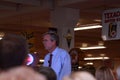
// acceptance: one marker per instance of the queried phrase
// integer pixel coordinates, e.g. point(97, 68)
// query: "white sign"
point(111, 24)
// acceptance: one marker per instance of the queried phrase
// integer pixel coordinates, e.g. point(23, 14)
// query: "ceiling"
point(35, 14)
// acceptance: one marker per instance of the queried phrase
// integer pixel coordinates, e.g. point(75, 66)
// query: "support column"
point(65, 19)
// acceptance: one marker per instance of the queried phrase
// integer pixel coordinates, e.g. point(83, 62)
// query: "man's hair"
point(48, 73)
point(13, 50)
point(104, 73)
point(54, 37)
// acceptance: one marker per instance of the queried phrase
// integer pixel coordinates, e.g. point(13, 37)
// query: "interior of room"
point(28, 17)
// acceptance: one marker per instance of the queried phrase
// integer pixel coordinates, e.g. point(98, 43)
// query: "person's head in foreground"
point(82, 75)
point(13, 51)
point(47, 73)
point(104, 73)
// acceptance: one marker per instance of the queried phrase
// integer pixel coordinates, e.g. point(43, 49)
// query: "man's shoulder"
point(63, 52)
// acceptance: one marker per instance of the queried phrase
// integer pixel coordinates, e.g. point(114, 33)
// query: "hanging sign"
point(111, 24)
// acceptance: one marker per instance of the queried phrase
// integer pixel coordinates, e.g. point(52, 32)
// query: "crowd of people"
point(14, 50)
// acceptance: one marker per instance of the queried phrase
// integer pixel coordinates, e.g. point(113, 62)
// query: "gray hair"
point(54, 37)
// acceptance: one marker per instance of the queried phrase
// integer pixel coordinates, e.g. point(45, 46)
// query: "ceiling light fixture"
point(79, 67)
point(89, 63)
point(100, 43)
point(97, 20)
point(1, 35)
point(41, 60)
point(87, 27)
point(94, 47)
point(96, 58)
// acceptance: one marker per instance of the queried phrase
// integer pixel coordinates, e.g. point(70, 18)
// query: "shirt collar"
point(55, 51)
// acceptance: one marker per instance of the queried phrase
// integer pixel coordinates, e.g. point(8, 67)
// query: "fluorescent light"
point(0, 38)
point(89, 27)
point(79, 67)
point(97, 20)
point(89, 63)
point(41, 60)
point(96, 58)
point(94, 47)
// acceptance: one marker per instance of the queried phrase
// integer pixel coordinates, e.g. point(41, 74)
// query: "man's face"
point(47, 42)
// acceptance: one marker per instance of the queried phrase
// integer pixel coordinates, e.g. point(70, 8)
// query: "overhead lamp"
point(96, 58)
point(87, 27)
point(93, 47)
point(97, 20)
point(100, 43)
point(79, 67)
point(84, 44)
point(41, 60)
point(89, 63)
point(89, 55)
point(102, 54)
point(1, 35)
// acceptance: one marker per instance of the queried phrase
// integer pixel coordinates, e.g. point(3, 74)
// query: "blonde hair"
point(82, 75)
point(104, 73)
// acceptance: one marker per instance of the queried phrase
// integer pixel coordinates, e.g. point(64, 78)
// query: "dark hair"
point(77, 52)
point(54, 36)
point(48, 73)
point(104, 73)
point(13, 50)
